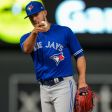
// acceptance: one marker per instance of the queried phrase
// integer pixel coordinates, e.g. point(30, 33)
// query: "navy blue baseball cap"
point(33, 7)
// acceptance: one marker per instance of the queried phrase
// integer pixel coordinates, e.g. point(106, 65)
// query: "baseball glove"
point(84, 100)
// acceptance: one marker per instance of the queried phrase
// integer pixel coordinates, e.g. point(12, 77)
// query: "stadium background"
point(17, 79)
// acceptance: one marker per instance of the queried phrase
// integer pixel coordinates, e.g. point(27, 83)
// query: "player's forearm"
point(81, 68)
point(29, 43)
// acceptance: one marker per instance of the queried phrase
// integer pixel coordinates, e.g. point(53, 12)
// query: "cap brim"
point(32, 14)
point(26, 17)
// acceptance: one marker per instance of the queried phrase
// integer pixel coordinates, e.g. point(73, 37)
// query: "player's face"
point(38, 17)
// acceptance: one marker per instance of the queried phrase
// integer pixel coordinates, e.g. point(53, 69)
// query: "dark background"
point(97, 48)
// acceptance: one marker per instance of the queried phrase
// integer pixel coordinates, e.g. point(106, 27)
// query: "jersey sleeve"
point(74, 44)
point(23, 38)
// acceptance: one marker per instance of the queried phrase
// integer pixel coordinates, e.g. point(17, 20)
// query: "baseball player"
point(51, 47)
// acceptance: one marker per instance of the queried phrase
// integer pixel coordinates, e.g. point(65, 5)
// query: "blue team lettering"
point(54, 45)
point(49, 44)
point(38, 45)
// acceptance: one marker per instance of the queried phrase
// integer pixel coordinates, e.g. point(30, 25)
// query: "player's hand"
point(41, 27)
point(82, 84)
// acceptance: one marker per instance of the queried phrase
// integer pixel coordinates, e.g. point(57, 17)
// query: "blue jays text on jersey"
point(54, 45)
point(52, 52)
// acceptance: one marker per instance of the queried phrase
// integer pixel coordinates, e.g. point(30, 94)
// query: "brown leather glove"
point(84, 100)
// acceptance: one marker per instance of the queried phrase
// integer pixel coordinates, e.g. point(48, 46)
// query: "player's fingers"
point(36, 30)
point(83, 93)
point(39, 25)
point(40, 29)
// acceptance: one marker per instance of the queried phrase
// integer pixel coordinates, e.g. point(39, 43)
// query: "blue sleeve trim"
point(78, 54)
